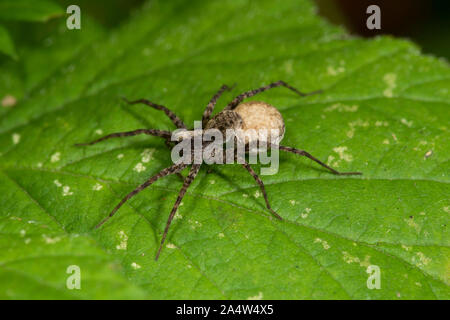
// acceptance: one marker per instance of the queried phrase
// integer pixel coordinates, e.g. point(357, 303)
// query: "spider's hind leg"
point(308, 155)
point(165, 172)
point(187, 182)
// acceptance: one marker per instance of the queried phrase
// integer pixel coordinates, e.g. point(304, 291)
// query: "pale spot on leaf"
point(407, 248)
point(177, 216)
point(341, 108)
point(50, 240)
point(343, 155)
point(15, 138)
point(9, 101)
point(55, 157)
point(391, 80)
point(324, 243)
point(394, 137)
point(406, 122)
point(97, 187)
point(305, 213)
point(380, 123)
point(288, 66)
point(348, 258)
point(66, 191)
point(423, 260)
point(354, 124)
point(139, 167)
point(334, 71)
point(410, 222)
point(195, 224)
point(259, 296)
point(123, 241)
point(171, 246)
point(147, 155)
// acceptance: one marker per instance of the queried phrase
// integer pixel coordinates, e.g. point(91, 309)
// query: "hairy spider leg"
point(165, 172)
point(236, 101)
point(152, 132)
point(169, 145)
point(212, 103)
point(261, 185)
point(306, 154)
point(187, 182)
point(175, 119)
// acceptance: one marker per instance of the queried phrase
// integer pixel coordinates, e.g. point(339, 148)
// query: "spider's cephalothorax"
point(227, 119)
point(253, 116)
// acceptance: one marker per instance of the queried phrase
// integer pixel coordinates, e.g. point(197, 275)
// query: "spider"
point(257, 115)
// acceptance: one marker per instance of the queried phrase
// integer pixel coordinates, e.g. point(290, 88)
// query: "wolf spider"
point(230, 117)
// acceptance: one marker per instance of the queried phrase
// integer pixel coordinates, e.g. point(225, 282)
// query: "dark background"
point(426, 22)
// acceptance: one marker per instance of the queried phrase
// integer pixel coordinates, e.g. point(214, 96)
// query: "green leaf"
point(50, 53)
point(384, 111)
point(29, 10)
point(6, 44)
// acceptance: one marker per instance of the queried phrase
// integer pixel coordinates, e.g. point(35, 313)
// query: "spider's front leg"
point(236, 101)
point(212, 103)
point(258, 180)
point(153, 132)
point(169, 145)
point(172, 116)
point(308, 155)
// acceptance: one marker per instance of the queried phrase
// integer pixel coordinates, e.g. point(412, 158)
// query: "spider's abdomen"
point(258, 115)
